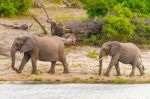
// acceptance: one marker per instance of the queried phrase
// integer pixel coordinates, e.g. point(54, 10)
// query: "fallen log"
point(18, 26)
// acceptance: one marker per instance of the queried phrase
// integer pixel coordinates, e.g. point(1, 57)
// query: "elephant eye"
point(18, 44)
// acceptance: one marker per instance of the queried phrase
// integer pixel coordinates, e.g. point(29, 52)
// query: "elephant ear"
point(29, 44)
point(115, 47)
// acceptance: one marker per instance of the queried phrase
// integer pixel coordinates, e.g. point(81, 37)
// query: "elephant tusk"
point(102, 58)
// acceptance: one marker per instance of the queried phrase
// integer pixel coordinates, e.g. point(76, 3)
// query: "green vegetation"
point(124, 20)
point(14, 7)
point(102, 7)
point(37, 78)
point(118, 28)
point(121, 81)
point(92, 54)
point(76, 79)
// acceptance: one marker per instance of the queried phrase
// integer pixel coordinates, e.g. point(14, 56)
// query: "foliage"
point(118, 16)
point(14, 7)
point(102, 7)
point(97, 7)
point(142, 35)
point(117, 28)
point(139, 6)
point(92, 54)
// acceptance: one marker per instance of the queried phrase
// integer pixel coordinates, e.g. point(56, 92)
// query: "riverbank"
point(82, 60)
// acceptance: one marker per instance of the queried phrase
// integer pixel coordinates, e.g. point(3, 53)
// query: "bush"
point(142, 33)
point(120, 20)
point(122, 11)
point(14, 7)
point(97, 7)
point(139, 6)
point(117, 28)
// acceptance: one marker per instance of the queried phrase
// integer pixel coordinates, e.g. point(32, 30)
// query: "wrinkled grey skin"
point(127, 53)
point(48, 49)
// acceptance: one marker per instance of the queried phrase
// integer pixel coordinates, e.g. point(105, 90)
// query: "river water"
point(74, 91)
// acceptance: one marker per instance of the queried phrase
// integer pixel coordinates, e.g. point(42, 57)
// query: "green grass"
point(37, 78)
point(1, 79)
point(92, 54)
point(68, 49)
point(119, 80)
point(76, 79)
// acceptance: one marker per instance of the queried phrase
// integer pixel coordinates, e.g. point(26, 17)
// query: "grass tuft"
point(37, 78)
point(92, 54)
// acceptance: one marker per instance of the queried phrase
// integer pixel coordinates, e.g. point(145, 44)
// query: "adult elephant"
point(49, 49)
point(127, 53)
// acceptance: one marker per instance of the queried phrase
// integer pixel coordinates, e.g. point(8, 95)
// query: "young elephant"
point(127, 53)
point(49, 49)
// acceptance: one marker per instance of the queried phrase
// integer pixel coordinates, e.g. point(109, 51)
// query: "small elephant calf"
point(49, 49)
point(127, 53)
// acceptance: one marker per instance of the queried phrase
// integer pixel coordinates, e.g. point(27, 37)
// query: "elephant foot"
point(34, 72)
point(141, 74)
point(118, 75)
point(131, 75)
point(106, 74)
point(18, 71)
point(66, 72)
point(51, 72)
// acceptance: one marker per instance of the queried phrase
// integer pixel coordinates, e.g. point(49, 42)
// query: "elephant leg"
point(134, 65)
point(34, 63)
point(133, 71)
point(118, 69)
point(140, 69)
point(65, 64)
point(113, 62)
point(52, 69)
point(24, 61)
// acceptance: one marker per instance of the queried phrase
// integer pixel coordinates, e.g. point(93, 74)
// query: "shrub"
point(117, 28)
point(122, 11)
point(142, 33)
point(97, 7)
point(7, 8)
point(14, 7)
point(139, 6)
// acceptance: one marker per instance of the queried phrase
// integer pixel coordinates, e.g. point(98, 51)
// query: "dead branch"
point(46, 12)
point(71, 5)
point(42, 26)
point(37, 4)
point(66, 3)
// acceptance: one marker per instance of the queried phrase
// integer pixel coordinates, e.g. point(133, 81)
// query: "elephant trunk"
point(100, 66)
point(13, 52)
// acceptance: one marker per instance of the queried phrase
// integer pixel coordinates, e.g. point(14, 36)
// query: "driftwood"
point(71, 5)
point(37, 4)
point(46, 12)
point(57, 29)
point(18, 26)
point(42, 26)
